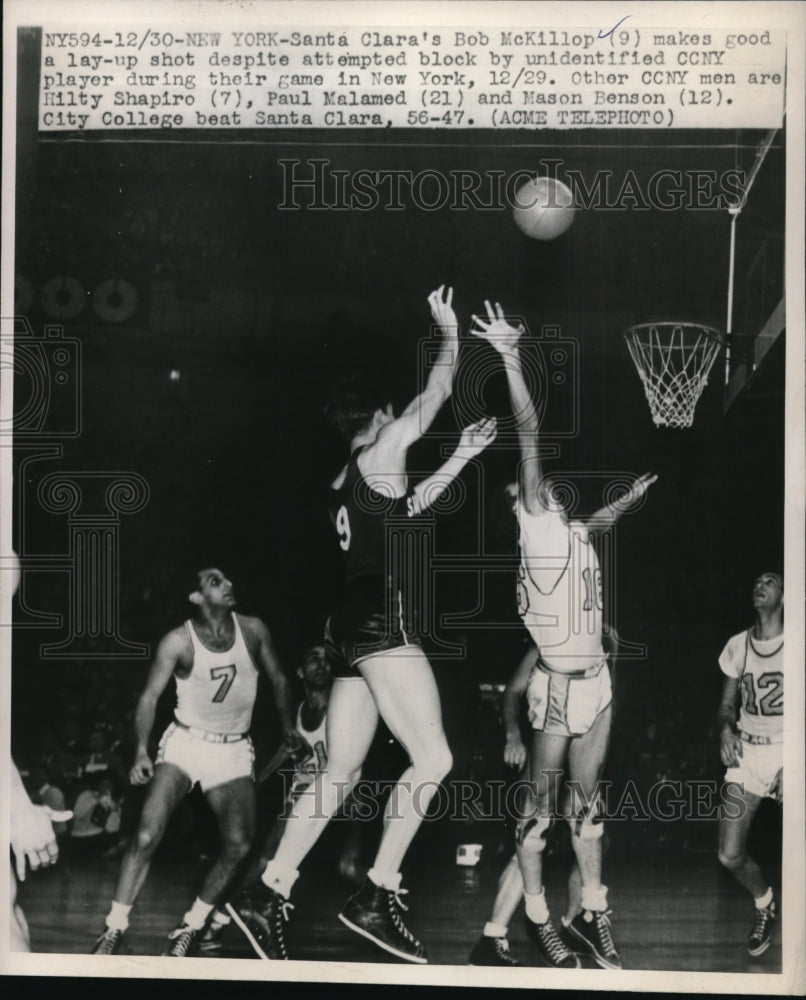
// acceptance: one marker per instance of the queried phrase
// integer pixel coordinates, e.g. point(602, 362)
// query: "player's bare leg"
point(403, 686)
point(233, 805)
point(546, 765)
point(492, 948)
point(510, 894)
point(351, 723)
point(733, 855)
point(166, 790)
point(590, 926)
point(408, 701)
point(574, 904)
point(260, 911)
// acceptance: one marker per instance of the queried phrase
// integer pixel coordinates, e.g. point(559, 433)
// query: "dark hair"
point(191, 582)
point(352, 404)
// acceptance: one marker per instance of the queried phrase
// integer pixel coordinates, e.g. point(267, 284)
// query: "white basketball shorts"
point(567, 705)
point(758, 766)
point(209, 764)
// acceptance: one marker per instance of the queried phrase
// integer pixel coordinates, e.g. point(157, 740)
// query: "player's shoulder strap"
point(744, 658)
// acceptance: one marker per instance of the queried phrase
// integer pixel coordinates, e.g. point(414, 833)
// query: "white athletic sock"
point(764, 901)
point(197, 915)
point(594, 897)
point(280, 880)
point(494, 930)
point(118, 917)
point(536, 909)
point(386, 880)
point(220, 918)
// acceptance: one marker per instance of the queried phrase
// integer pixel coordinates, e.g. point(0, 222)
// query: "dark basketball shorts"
point(371, 618)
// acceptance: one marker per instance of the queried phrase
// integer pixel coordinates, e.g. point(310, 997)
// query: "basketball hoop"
point(673, 361)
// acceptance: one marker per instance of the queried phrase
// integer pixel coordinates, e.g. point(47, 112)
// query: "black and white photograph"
point(401, 491)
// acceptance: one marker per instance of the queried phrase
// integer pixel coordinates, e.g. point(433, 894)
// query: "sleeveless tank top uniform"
point(315, 760)
point(377, 610)
point(219, 693)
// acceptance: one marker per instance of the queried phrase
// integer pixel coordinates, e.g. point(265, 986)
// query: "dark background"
point(259, 309)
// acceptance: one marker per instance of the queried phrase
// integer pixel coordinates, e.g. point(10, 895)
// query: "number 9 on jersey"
point(343, 528)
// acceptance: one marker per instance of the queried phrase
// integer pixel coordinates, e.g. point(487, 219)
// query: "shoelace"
point(603, 926)
point(502, 950)
point(760, 923)
point(184, 938)
point(552, 943)
point(281, 916)
point(107, 942)
point(395, 905)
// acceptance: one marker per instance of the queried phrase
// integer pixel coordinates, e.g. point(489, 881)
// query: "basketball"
point(544, 208)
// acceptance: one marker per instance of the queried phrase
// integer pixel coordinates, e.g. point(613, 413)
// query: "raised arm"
point(167, 657)
point(474, 439)
point(421, 411)
point(607, 516)
point(505, 339)
point(514, 747)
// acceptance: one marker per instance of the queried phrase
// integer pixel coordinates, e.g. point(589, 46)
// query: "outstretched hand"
point(475, 437)
point(730, 749)
point(495, 329)
point(142, 771)
point(636, 491)
point(442, 309)
point(515, 752)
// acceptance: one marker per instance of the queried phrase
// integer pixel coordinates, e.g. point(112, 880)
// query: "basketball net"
point(673, 361)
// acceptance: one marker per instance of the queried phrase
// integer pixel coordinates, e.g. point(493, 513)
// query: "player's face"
point(315, 669)
point(768, 591)
point(511, 493)
point(216, 590)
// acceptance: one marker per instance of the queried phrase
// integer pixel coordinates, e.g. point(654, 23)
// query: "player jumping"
point(379, 667)
point(569, 691)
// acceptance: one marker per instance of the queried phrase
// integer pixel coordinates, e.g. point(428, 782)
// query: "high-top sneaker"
point(182, 941)
point(108, 943)
point(374, 913)
point(492, 951)
point(261, 913)
point(759, 940)
point(591, 930)
point(550, 948)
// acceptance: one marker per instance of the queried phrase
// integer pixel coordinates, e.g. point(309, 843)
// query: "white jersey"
point(219, 693)
point(560, 590)
point(758, 664)
point(316, 759)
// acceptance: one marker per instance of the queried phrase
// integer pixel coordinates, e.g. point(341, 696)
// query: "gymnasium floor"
point(677, 914)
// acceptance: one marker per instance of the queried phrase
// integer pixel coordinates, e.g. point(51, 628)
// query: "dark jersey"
point(365, 523)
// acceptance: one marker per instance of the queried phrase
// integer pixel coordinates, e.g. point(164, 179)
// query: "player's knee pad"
point(585, 824)
point(531, 831)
